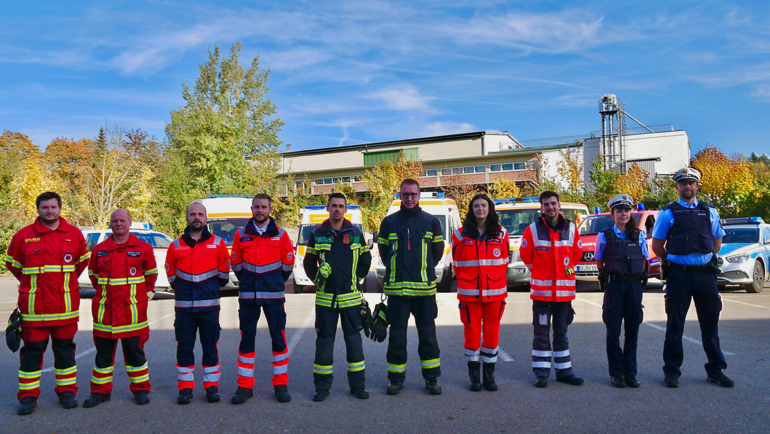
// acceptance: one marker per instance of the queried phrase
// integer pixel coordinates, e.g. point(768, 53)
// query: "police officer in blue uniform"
point(687, 237)
point(621, 255)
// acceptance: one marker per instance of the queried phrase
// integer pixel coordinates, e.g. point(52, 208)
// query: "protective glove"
point(569, 271)
point(366, 317)
point(379, 323)
point(602, 280)
point(325, 270)
point(13, 332)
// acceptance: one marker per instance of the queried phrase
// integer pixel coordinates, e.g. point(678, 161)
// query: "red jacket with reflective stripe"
point(262, 263)
point(481, 266)
point(547, 253)
point(197, 273)
point(47, 263)
point(122, 275)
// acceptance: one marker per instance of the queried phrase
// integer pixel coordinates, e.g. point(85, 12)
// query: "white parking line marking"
point(742, 302)
point(503, 355)
point(663, 329)
point(301, 330)
point(93, 349)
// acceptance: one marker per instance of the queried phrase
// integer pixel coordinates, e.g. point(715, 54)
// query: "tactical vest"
point(623, 256)
point(691, 232)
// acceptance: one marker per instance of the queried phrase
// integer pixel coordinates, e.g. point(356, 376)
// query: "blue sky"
point(349, 72)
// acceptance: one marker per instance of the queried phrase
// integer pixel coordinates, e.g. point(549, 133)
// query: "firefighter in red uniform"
point(551, 248)
point(197, 265)
point(480, 253)
point(47, 257)
point(123, 272)
point(263, 259)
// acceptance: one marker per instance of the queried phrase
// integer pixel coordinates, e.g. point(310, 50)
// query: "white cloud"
point(403, 97)
point(762, 93)
point(439, 128)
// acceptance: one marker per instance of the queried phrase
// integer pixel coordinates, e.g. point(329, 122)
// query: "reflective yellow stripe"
point(124, 281)
point(28, 386)
point(103, 380)
point(145, 377)
point(149, 272)
point(323, 369)
point(67, 296)
point(134, 310)
point(106, 370)
point(397, 368)
point(85, 257)
point(423, 266)
point(32, 289)
point(356, 366)
point(137, 368)
point(65, 371)
point(33, 374)
point(432, 363)
point(49, 317)
point(120, 329)
point(65, 381)
point(100, 314)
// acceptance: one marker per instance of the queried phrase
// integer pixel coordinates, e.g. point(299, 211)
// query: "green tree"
point(226, 134)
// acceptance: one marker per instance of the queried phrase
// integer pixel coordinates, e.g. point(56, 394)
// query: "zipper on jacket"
point(408, 240)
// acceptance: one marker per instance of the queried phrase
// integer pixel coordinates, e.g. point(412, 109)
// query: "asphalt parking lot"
point(696, 406)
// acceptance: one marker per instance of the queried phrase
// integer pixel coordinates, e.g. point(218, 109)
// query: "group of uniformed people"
point(48, 255)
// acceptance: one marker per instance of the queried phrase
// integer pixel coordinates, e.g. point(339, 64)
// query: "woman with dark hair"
point(621, 256)
point(480, 252)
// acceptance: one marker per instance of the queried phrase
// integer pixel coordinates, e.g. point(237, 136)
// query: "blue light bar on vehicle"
point(230, 195)
point(742, 221)
point(597, 210)
point(640, 206)
point(517, 199)
point(315, 207)
point(354, 207)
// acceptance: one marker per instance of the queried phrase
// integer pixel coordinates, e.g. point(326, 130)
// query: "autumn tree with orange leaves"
point(727, 183)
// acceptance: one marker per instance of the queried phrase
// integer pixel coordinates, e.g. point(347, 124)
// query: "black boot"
point(241, 395)
point(212, 394)
point(474, 371)
point(27, 405)
point(489, 377)
point(185, 396)
point(67, 400)
point(282, 393)
point(96, 399)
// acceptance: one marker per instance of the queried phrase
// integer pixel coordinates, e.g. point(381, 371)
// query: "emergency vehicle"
point(586, 269)
point(226, 214)
point(144, 232)
point(516, 214)
point(311, 219)
point(446, 211)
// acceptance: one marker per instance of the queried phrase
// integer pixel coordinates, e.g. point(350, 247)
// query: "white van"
point(226, 214)
point(312, 217)
point(515, 215)
point(446, 211)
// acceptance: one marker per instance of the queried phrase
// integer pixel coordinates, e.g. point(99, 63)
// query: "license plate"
point(591, 267)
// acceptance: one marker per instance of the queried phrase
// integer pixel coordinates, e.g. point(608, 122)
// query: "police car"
point(745, 254)
point(144, 232)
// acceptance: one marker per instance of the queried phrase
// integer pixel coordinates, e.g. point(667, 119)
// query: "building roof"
point(415, 141)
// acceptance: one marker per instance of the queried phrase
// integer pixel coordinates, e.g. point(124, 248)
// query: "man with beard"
point(47, 257)
point(550, 248)
point(263, 259)
point(123, 272)
point(197, 265)
point(687, 237)
point(411, 244)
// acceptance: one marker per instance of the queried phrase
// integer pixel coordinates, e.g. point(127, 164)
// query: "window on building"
point(508, 166)
point(519, 166)
point(328, 181)
point(319, 181)
point(345, 179)
point(357, 178)
point(481, 169)
point(457, 170)
point(432, 172)
point(495, 167)
point(446, 171)
point(469, 169)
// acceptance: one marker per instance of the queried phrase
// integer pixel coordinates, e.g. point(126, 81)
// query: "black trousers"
point(560, 314)
point(622, 303)
point(681, 288)
point(425, 311)
point(326, 330)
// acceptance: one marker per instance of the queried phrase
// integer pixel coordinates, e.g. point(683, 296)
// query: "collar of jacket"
point(271, 231)
point(326, 226)
point(559, 225)
point(133, 241)
point(465, 232)
point(63, 226)
point(190, 241)
point(411, 212)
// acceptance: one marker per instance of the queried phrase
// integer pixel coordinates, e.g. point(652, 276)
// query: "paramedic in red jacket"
point(480, 253)
point(551, 248)
point(123, 272)
point(47, 257)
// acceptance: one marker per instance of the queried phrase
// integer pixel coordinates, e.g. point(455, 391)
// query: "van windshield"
point(306, 230)
point(594, 224)
point(226, 227)
point(515, 221)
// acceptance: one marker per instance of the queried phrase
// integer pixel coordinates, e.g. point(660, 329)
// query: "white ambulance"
point(446, 211)
point(226, 214)
point(312, 217)
point(516, 214)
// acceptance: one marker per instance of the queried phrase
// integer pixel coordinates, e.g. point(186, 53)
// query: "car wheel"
point(298, 289)
point(755, 287)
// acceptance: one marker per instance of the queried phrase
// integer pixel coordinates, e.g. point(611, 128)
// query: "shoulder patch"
point(103, 253)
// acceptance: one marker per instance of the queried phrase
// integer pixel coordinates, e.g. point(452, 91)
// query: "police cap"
point(621, 201)
point(687, 174)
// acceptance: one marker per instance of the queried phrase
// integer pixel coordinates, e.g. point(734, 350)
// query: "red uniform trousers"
point(133, 356)
point(473, 314)
point(31, 358)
